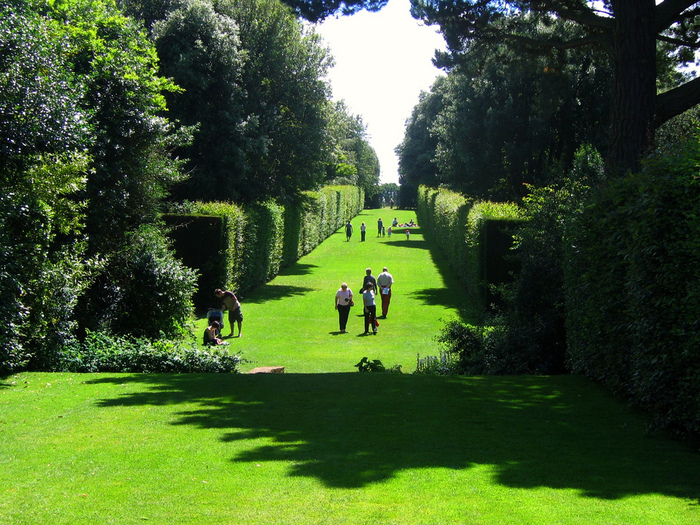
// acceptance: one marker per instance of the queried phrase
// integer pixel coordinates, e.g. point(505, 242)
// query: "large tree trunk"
point(634, 90)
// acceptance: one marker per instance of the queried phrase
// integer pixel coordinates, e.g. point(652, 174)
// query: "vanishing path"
point(291, 321)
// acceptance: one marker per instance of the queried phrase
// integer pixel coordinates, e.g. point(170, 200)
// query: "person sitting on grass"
point(210, 337)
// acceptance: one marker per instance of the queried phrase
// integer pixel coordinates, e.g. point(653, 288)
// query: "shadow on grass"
point(403, 243)
point(275, 292)
point(351, 430)
point(298, 269)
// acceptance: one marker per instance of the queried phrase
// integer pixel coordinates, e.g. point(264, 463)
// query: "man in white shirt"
point(384, 282)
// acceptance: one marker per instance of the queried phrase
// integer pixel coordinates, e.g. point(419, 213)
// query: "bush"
point(143, 291)
point(101, 352)
point(375, 365)
point(534, 304)
point(444, 364)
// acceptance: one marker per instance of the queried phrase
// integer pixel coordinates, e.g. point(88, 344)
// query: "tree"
point(353, 160)
point(254, 82)
point(416, 152)
point(287, 92)
point(628, 30)
point(200, 49)
point(43, 131)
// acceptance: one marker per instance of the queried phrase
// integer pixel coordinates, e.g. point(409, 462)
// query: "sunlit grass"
point(291, 321)
point(333, 448)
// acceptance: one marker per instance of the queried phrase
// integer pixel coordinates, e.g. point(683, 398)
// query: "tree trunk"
point(634, 90)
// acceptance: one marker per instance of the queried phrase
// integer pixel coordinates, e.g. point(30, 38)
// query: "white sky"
point(383, 61)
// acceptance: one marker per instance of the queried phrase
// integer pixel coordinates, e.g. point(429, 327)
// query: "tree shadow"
point(275, 292)
point(416, 243)
point(298, 269)
point(351, 430)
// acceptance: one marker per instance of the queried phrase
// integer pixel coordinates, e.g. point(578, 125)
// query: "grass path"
point(336, 448)
point(291, 321)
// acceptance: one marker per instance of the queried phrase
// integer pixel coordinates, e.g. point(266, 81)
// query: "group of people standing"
point(231, 304)
point(371, 286)
point(381, 229)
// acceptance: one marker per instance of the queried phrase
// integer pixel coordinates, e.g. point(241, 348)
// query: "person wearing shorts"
point(232, 305)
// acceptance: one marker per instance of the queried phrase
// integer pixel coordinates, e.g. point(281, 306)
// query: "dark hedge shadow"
point(298, 269)
point(350, 430)
point(274, 292)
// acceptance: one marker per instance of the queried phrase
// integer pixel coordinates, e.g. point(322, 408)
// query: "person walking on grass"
point(348, 231)
point(380, 226)
point(384, 282)
point(370, 309)
point(343, 303)
point(231, 304)
point(363, 232)
point(369, 278)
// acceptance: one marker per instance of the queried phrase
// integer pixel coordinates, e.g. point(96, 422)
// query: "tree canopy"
point(630, 31)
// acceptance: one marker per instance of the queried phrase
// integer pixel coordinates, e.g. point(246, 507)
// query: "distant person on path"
point(380, 226)
point(408, 235)
point(348, 230)
point(369, 279)
point(363, 231)
point(384, 282)
point(370, 309)
point(232, 305)
point(391, 203)
point(343, 303)
point(388, 231)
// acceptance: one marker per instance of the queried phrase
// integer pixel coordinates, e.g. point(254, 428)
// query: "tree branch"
point(583, 15)
point(676, 101)
point(678, 42)
point(667, 12)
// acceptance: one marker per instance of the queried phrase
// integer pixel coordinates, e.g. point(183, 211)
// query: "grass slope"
point(335, 448)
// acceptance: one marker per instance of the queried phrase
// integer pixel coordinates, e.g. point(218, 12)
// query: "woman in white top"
point(343, 302)
point(370, 309)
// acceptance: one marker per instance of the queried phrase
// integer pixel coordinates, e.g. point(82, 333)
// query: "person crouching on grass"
point(210, 337)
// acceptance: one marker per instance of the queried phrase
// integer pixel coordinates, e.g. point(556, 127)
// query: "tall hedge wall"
point(237, 247)
point(474, 236)
point(633, 290)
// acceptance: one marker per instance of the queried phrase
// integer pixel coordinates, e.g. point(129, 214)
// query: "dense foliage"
point(43, 164)
point(100, 352)
point(504, 118)
point(633, 288)
point(254, 89)
point(88, 155)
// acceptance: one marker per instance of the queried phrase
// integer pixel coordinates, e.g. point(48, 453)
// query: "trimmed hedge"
point(474, 236)
point(240, 248)
point(633, 290)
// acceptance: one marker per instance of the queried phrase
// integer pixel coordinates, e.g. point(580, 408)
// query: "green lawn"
point(340, 447)
point(291, 321)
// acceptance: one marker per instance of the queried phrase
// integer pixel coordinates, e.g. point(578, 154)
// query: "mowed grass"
point(292, 322)
point(337, 447)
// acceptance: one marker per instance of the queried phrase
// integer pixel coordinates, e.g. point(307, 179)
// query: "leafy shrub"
point(375, 365)
point(143, 291)
point(101, 352)
point(442, 365)
point(534, 304)
point(487, 349)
